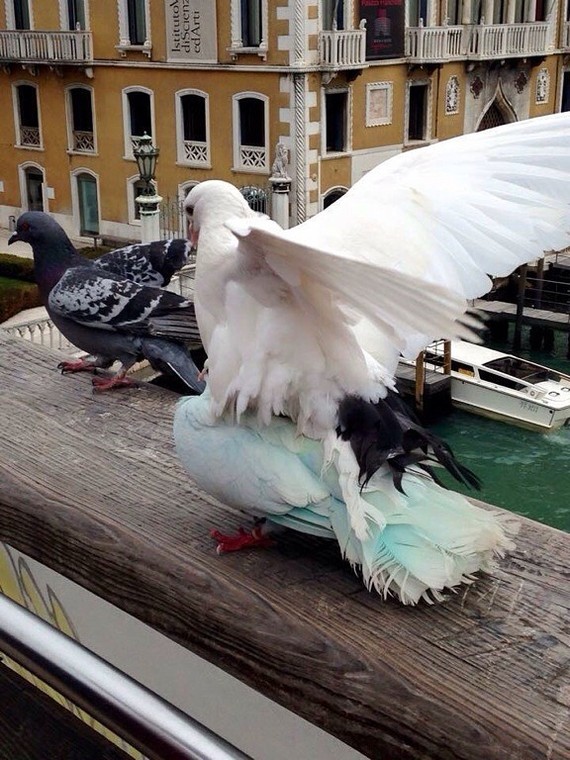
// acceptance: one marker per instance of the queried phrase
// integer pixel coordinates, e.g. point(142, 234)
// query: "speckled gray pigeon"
point(105, 314)
point(147, 263)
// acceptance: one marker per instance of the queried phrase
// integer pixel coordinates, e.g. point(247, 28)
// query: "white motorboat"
point(506, 387)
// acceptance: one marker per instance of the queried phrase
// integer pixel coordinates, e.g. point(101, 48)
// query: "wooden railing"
point(46, 47)
point(92, 490)
point(343, 48)
point(439, 43)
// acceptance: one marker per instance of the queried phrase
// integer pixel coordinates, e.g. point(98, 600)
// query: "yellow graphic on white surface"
point(18, 583)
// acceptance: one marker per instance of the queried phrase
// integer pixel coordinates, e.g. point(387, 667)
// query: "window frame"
point(181, 158)
point(426, 83)
point(125, 45)
point(325, 152)
point(11, 15)
point(70, 122)
point(238, 165)
point(65, 23)
point(17, 120)
point(127, 142)
point(236, 31)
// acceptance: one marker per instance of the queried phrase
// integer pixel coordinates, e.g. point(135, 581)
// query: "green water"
point(523, 471)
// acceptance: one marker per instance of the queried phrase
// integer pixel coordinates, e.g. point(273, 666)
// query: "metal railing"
point(46, 47)
point(136, 714)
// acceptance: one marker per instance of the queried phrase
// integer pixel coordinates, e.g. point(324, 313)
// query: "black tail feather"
point(386, 433)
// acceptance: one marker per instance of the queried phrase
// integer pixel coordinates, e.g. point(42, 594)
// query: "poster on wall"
point(384, 28)
point(190, 31)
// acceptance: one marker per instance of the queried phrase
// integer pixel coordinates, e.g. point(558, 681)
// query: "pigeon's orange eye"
point(25, 226)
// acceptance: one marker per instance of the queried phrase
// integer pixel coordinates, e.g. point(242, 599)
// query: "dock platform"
point(91, 488)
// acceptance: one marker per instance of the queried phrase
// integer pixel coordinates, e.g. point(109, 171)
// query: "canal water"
point(523, 471)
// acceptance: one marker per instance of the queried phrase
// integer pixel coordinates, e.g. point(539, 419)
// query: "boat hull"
point(499, 404)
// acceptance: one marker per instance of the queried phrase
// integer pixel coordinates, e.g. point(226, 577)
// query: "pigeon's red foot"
point(81, 365)
point(107, 383)
point(243, 539)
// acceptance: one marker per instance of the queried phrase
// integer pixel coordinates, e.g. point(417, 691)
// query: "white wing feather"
point(455, 212)
point(459, 210)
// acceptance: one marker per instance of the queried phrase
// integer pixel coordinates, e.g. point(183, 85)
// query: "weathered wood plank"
point(90, 486)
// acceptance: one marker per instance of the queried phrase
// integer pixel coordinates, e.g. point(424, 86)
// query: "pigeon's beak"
point(13, 238)
point(192, 235)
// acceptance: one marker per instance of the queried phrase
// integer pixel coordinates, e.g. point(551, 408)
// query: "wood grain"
point(90, 486)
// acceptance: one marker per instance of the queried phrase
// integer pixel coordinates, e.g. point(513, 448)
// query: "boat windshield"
point(523, 370)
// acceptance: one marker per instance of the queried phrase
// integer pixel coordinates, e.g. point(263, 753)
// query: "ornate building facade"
point(338, 85)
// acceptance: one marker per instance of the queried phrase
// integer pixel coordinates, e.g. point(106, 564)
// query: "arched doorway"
point(88, 204)
point(493, 117)
point(498, 112)
point(34, 182)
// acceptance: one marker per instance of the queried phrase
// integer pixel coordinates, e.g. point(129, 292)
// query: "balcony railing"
point(482, 41)
point(83, 142)
point(343, 48)
point(196, 152)
point(45, 47)
point(30, 137)
point(253, 157)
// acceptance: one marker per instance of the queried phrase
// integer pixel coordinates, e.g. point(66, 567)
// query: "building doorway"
point(88, 204)
point(34, 182)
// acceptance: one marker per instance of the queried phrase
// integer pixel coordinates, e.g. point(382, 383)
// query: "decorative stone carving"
point(452, 96)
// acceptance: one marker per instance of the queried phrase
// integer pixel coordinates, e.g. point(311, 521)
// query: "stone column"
point(150, 217)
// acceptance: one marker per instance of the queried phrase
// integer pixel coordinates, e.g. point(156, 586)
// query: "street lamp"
point(146, 155)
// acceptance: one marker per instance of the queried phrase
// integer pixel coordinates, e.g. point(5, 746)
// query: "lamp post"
point(146, 155)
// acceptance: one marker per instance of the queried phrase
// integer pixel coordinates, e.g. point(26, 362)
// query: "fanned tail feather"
point(433, 540)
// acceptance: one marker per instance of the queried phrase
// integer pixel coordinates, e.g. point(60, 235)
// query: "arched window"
point(193, 128)
point(333, 195)
point(80, 119)
point(250, 132)
point(138, 116)
point(27, 114)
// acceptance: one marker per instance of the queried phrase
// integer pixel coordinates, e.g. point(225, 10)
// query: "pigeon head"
point(212, 203)
point(53, 250)
point(40, 231)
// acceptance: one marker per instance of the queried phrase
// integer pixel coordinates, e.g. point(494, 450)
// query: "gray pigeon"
point(105, 314)
point(147, 263)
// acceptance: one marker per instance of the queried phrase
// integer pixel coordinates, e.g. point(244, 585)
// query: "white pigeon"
point(299, 423)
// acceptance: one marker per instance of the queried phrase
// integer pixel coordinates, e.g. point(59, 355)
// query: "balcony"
point(343, 48)
point(73, 47)
point(477, 42)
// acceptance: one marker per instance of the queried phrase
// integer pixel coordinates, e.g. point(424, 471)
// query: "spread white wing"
point(456, 212)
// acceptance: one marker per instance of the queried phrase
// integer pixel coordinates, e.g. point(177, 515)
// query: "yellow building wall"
point(109, 164)
point(449, 125)
point(388, 134)
point(550, 106)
